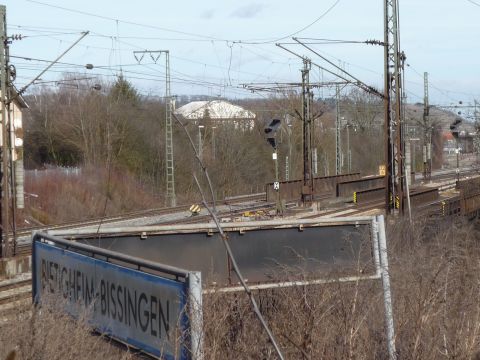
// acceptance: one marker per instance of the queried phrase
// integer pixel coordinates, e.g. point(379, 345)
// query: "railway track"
point(450, 174)
point(24, 249)
point(14, 292)
point(169, 210)
point(136, 214)
point(18, 291)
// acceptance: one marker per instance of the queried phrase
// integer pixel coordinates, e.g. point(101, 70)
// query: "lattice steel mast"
point(169, 163)
point(427, 135)
point(307, 191)
point(394, 146)
point(338, 137)
point(171, 198)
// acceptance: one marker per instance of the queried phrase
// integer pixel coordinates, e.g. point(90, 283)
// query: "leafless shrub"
point(436, 289)
point(434, 269)
point(61, 197)
point(46, 333)
point(311, 322)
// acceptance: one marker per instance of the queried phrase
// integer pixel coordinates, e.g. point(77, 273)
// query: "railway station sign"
point(270, 253)
point(139, 303)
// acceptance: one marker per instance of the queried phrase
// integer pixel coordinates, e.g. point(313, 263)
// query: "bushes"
point(58, 195)
point(437, 314)
point(46, 334)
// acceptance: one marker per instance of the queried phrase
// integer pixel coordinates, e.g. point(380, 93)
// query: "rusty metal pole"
point(338, 138)
point(389, 169)
point(307, 190)
point(426, 129)
point(393, 110)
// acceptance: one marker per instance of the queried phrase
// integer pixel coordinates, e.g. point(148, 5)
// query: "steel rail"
point(133, 214)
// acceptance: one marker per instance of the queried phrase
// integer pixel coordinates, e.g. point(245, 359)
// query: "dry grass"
point(327, 322)
point(436, 288)
point(435, 284)
point(90, 193)
point(47, 334)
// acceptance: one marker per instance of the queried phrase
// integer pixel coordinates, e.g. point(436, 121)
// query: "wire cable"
point(123, 21)
point(273, 40)
point(473, 2)
point(195, 35)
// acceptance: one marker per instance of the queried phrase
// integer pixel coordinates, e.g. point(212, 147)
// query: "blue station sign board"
point(142, 309)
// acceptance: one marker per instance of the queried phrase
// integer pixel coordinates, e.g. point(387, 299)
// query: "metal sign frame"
point(63, 268)
point(266, 251)
point(380, 259)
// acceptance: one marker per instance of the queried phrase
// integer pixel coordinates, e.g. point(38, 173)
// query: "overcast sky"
point(216, 46)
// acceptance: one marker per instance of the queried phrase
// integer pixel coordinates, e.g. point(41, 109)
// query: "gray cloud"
point(248, 11)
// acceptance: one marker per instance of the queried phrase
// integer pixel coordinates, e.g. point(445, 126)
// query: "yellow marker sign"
point(195, 209)
point(382, 170)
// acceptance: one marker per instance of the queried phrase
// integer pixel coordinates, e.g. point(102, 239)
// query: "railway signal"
point(276, 185)
point(271, 132)
point(456, 132)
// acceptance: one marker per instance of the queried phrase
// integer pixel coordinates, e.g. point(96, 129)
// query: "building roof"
point(215, 109)
point(19, 99)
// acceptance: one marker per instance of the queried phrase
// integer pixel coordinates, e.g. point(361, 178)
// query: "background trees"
point(118, 131)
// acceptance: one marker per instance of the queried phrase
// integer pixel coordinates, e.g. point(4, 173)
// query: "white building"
point(17, 106)
point(220, 112)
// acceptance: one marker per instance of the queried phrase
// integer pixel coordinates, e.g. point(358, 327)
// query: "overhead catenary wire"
point(360, 84)
point(325, 13)
point(232, 88)
point(219, 66)
point(274, 40)
point(49, 35)
point(262, 75)
point(155, 78)
point(123, 21)
point(473, 2)
point(230, 80)
point(445, 92)
point(194, 35)
point(183, 37)
point(136, 75)
point(38, 28)
point(333, 41)
point(22, 90)
point(367, 87)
